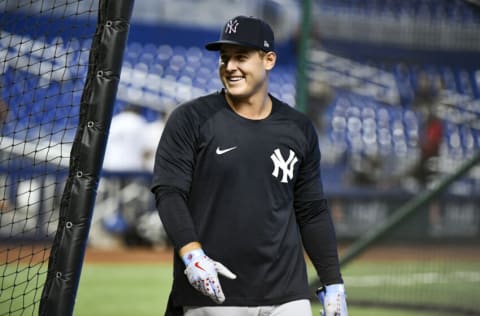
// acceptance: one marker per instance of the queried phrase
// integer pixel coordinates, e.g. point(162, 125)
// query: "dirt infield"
point(129, 255)
point(36, 253)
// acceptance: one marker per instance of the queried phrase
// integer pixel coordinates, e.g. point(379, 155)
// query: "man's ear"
point(269, 60)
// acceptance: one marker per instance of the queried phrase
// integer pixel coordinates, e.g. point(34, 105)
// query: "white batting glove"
point(333, 299)
point(202, 273)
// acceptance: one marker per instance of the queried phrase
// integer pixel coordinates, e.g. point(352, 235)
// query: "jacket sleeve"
point(175, 216)
point(172, 175)
point(319, 241)
point(313, 215)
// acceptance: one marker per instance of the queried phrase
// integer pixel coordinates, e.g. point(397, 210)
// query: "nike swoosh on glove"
point(202, 273)
point(333, 299)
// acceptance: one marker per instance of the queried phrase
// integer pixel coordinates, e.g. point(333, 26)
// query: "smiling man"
point(237, 184)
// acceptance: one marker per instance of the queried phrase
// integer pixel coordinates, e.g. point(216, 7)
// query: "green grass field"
point(125, 289)
point(122, 289)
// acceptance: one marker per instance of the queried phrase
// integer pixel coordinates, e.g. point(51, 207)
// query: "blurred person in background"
point(430, 129)
point(320, 96)
point(431, 135)
point(237, 184)
point(152, 134)
point(114, 223)
point(4, 203)
point(3, 113)
point(125, 147)
point(148, 227)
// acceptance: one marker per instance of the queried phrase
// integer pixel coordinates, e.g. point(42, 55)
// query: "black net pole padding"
point(88, 149)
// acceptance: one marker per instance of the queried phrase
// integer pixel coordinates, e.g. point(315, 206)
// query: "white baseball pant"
point(293, 308)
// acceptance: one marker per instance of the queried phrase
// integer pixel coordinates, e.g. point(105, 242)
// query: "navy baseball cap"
point(245, 31)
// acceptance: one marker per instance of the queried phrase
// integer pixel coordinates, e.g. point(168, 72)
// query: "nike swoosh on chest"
point(221, 151)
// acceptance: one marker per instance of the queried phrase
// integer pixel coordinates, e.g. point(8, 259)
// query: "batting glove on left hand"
point(202, 273)
point(333, 299)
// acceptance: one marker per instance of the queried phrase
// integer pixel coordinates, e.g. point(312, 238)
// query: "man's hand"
point(202, 273)
point(333, 300)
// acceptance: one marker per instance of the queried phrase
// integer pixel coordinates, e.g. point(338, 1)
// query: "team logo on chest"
point(285, 165)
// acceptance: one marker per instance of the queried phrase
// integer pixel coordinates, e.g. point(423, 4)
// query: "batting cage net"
point(51, 53)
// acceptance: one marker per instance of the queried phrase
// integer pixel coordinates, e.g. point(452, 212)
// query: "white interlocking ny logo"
point(231, 27)
point(286, 166)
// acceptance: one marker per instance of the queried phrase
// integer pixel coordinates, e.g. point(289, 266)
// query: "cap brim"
point(216, 45)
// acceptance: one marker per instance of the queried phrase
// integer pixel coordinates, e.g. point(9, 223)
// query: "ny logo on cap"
point(231, 27)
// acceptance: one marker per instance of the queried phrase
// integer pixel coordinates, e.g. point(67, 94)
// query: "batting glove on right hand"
point(333, 299)
point(202, 273)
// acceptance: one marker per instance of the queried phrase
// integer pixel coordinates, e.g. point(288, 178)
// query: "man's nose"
point(230, 65)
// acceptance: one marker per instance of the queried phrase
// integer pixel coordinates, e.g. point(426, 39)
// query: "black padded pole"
point(86, 158)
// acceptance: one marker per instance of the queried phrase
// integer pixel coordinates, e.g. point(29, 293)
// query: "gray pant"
point(294, 308)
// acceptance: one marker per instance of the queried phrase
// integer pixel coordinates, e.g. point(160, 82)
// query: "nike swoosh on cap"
point(223, 151)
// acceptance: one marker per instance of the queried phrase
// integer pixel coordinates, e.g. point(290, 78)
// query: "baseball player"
point(238, 188)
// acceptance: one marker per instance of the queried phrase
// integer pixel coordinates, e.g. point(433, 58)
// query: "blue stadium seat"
point(164, 53)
